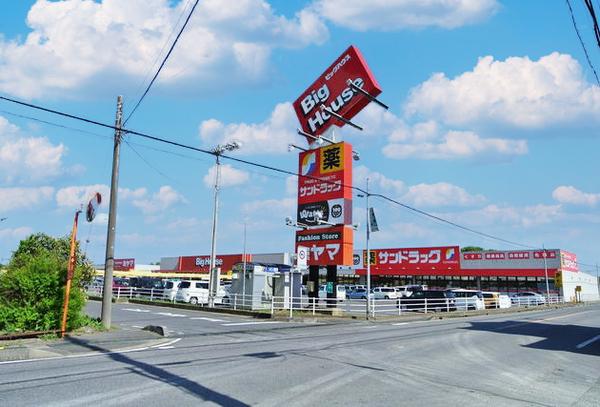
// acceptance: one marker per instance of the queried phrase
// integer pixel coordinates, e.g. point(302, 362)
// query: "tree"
point(32, 288)
point(471, 249)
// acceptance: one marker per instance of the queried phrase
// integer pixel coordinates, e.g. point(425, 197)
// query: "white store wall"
point(588, 283)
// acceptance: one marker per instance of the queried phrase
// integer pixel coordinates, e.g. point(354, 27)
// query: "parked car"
point(430, 300)
point(196, 292)
point(340, 293)
point(358, 294)
point(407, 290)
point(528, 298)
point(170, 290)
point(468, 299)
point(493, 299)
point(384, 293)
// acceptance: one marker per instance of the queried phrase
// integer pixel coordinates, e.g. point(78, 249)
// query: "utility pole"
point(213, 281)
point(368, 227)
point(597, 281)
point(244, 272)
point(546, 274)
point(112, 221)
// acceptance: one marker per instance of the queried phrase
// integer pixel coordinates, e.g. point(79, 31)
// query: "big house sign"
point(325, 173)
point(332, 90)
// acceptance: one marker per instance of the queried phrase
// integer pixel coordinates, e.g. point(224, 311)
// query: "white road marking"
point(400, 323)
point(369, 326)
point(168, 314)
point(173, 342)
point(589, 341)
point(210, 319)
point(251, 323)
point(136, 310)
point(137, 326)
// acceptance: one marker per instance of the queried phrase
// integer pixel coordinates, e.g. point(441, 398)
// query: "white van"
point(170, 290)
point(194, 292)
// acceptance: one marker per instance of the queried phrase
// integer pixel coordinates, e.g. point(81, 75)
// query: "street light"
point(213, 281)
point(368, 230)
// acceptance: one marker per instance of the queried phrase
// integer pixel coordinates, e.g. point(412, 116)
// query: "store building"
point(445, 266)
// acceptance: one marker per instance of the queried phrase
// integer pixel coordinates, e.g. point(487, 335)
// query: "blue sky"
point(492, 123)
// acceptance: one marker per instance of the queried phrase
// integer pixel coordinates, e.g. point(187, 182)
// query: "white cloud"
point(388, 15)
point(438, 194)
point(163, 199)
point(494, 215)
point(75, 45)
point(230, 177)
point(16, 233)
point(24, 158)
point(453, 145)
point(75, 196)
point(571, 195)
point(377, 181)
point(273, 207)
point(24, 198)
point(441, 194)
point(269, 137)
point(517, 91)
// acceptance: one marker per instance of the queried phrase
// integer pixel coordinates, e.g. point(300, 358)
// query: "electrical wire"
point(592, 12)
point(589, 61)
point(167, 41)
point(162, 63)
point(270, 168)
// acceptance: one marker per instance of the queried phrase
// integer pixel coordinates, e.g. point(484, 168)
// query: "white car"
point(468, 299)
point(384, 293)
point(196, 292)
point(170, 290)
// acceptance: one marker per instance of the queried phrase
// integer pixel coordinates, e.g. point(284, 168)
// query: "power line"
point(439, 219)
point(581, 41)
point(592, 12)
point(162, 63)
point(167, 40)
point(270, 168)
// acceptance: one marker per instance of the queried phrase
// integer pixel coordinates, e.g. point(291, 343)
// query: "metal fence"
point(331, 306)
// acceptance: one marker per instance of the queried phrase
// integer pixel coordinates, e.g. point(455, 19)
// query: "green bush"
point(32, 288)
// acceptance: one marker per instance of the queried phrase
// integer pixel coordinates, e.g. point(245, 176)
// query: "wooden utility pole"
point(70, 270)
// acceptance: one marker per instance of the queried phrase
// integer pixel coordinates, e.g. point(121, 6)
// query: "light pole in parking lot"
point(213, 281)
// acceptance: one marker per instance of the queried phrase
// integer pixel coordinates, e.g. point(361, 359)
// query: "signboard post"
point(325, 174)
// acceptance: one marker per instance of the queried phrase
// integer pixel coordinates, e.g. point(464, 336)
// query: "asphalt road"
point(547, 358)
point(182, 322)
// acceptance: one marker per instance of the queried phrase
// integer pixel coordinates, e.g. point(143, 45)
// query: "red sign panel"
point(328, 246)
point(332, 90)
point(201, 264)
point(124, 264)
point(414, 261)
point(568, 261)
point(325, 174)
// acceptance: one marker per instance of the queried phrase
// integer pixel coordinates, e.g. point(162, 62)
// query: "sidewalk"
point(78, 344)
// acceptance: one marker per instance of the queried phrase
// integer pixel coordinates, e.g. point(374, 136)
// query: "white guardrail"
point(377, 307)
